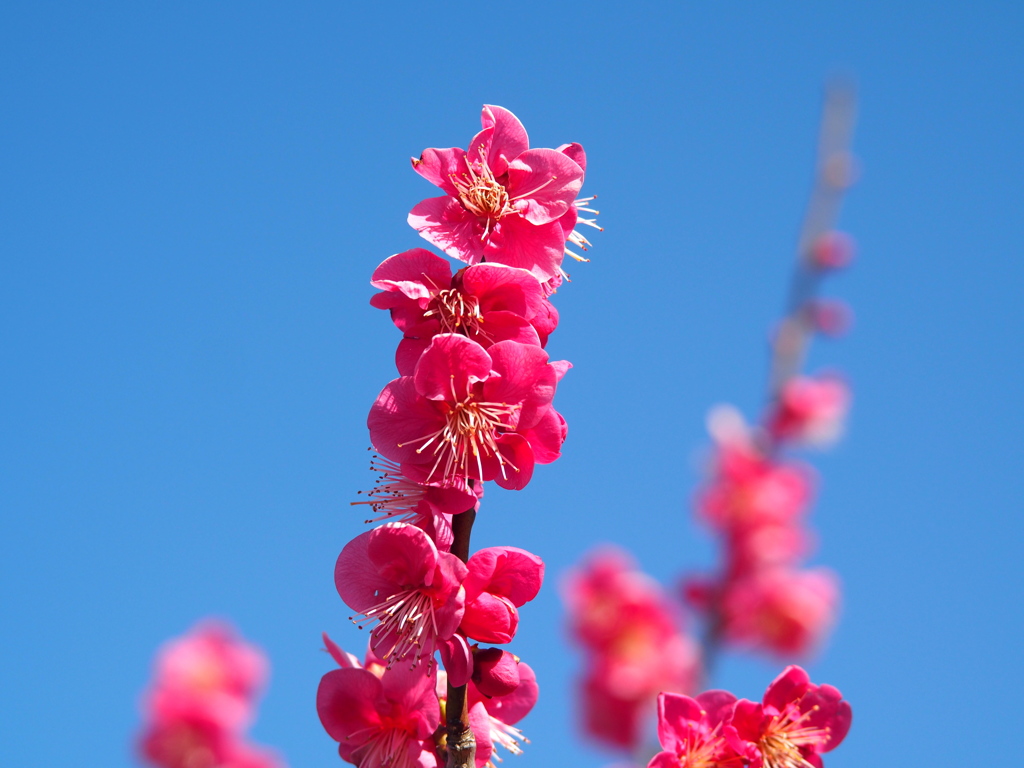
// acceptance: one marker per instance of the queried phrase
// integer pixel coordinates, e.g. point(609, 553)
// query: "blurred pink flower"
point(782, 610)
point(810, 410)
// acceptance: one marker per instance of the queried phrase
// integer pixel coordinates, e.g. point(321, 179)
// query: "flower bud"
point(495, 672)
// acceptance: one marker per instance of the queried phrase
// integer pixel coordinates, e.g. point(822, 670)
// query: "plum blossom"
point(500, 580)
point(782, 610)
point(386, 720)
point(200, 701)
point(635, 645)
point(690, 731)
point(395, 575)
point(793, 725)
point(467, 412)
point(503, 201)
point(487, 303)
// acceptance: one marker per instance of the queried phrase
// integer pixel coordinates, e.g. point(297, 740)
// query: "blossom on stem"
point(503, 202)
point(501, 713)
point(500, 580)
point(467, 412)
point(395, 575)
point(487, 302)
point(793, 725)
point(690, 731)
point(381, 721)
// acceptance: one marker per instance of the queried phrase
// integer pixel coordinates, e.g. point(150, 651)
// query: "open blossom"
point(487, 303)
point(795, 722)
point(783, 610)
point(396, 576)
point(503, 201)
point(381, 721)
point(467, 412)
point(690, 731)
point(500, 580)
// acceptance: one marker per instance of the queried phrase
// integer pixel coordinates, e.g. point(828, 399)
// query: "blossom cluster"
point(472, 403)
point(756, 499)
point(201, 700)
point(636, 646)
point(762, 596)
point(793, 724)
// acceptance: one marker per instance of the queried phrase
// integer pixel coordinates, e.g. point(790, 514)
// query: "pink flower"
point(503, 202)
point(396, 576)
point(810, 410)
point(500, 580)
point(381, 721)
point(467, 412)
point(796, 722)
point(690, 731)
point(201, 698)
point(747, 488)
point(209, 672)
point(487, 303)
point(636, 646)
point(781, 610)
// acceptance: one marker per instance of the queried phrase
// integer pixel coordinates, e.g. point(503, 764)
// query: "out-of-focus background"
point(194, 195)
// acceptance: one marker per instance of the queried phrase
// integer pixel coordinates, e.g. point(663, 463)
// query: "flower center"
point(785, 735)
point(481, 193)
point(389, 749)
point(406, 622)
point(456, 312)
point(470, 435)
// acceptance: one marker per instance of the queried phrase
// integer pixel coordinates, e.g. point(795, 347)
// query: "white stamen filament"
point(780, 746)
point(409, 616)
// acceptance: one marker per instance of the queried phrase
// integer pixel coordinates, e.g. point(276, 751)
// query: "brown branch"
point(460, 742)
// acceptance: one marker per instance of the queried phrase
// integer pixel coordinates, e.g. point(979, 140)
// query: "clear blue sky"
point(194, 196)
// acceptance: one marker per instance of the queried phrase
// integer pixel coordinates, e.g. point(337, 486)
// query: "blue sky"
point(195, 196)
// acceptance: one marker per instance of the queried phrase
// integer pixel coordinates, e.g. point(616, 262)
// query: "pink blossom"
point(691, 731)
point(832, 250)
point(381, 721)
point(467, 412)
point(503, 202)
point(202, 696)
point(501, 579)
point(487, 302)
point(637, 649)
point(748, 488)
point(795, 723)
point(210, 672)
point(782, 610)
point(396, 576)
point(810, 410)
